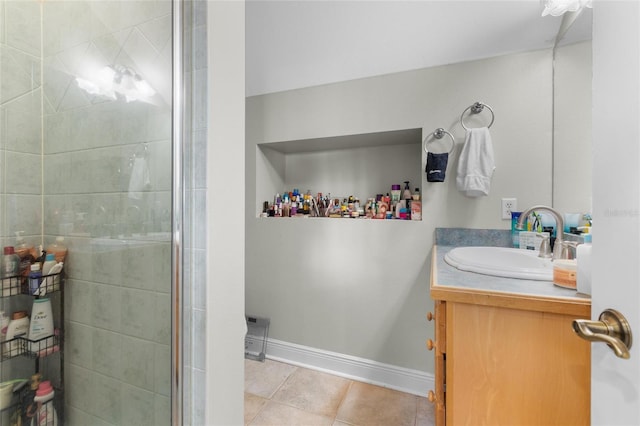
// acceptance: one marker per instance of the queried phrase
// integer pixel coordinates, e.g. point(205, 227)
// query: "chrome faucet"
point(558, 252)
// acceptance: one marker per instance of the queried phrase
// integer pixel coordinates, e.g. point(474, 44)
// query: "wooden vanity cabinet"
point(509, 359)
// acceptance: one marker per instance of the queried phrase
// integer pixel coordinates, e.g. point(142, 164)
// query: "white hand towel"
point(139, 180)
point(476, 164)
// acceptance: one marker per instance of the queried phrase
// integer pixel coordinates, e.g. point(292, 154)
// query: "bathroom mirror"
point(572, 75)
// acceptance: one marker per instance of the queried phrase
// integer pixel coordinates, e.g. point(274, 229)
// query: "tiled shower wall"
point(117, 224)
point(20, 144)
point(20, 121)
point(195, 224)
point(97, 171)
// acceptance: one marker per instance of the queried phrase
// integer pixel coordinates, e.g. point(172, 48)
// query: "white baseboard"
point(360, 369)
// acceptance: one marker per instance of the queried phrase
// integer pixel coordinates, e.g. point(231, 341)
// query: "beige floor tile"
point(276, 414)
point(313, 391)
point(370, 405)
point(339, 423)
point(264, 378)
point(426, 412)
point(252, 406)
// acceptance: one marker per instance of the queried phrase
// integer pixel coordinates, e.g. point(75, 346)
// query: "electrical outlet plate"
point(509, 205)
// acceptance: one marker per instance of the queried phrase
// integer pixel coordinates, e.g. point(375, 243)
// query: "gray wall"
point(572, 150)
point(361, 288)
point(225, 263)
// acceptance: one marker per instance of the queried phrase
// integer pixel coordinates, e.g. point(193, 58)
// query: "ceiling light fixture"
point(113, 80)
point(559, 7)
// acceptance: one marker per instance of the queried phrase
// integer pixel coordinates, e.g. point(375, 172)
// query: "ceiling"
point(292, 44)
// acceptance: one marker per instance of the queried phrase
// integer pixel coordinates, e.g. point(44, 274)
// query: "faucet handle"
point(568, 250)
point(545, 246)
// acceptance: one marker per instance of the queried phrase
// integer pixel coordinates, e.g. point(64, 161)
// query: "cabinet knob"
point(429, 316)
point(431, 396)
point(430, 344)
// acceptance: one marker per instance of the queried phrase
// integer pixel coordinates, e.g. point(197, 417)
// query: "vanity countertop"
point(451, 284)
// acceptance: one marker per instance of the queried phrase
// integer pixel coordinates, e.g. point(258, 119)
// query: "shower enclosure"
point(98, 130)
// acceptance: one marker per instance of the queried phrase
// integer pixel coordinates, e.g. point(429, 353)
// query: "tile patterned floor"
point(282, 394)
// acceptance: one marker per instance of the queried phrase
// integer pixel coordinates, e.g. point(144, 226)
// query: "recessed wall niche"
point(361, 165)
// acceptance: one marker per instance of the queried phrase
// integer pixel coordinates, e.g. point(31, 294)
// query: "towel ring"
point(477, 108)
point(439, 134)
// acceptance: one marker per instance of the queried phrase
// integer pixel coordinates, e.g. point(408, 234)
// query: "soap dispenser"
point(406, 193)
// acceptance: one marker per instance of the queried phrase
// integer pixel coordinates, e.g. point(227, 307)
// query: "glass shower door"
point(107, 78)
point(86, 154)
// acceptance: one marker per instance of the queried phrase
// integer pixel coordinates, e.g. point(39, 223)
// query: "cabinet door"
point(440, 361)
point(507, 367)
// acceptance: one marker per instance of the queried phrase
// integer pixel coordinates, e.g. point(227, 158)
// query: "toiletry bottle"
point(35, 278)
point(4, 324)
point(49, 262)
point(40, 259)
point(416, 206)
point(395, 195)
point(18, 326)
point(46, 414)
point(27, 254)
point(407, 197)
point(406, 193)
point(583, 257)
point(28, 407)
point(515, 232)
point(10, 263)
point(41, 326)
point(22, 248)
point(58, 249)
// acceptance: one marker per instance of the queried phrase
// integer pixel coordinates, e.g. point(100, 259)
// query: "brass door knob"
point(431, 396)
point(429, 316)
point(430, 344)
point(612, 329)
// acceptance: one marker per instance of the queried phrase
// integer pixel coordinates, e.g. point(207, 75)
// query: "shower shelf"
point(14, 411)
point(37, 351)
point(17, 285)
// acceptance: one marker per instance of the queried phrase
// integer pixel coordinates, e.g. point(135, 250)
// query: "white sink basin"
point(501, 262)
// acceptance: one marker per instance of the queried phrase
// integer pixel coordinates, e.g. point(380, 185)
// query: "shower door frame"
point(177, 258)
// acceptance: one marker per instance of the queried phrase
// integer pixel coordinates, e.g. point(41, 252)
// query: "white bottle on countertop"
point(583, 256)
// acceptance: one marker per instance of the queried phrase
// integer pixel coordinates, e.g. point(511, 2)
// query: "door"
point(615, 382)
